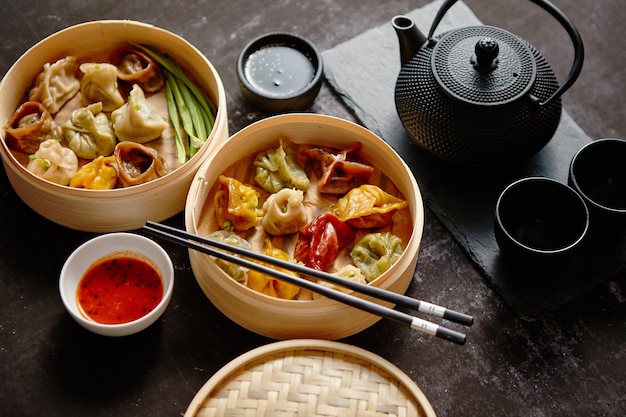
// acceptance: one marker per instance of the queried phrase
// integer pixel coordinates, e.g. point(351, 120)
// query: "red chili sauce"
point(119, 288)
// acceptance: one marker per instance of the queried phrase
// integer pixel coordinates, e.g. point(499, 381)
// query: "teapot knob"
point(486, 58)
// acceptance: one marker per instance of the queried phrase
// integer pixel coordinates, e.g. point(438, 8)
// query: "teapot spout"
point(410, 38)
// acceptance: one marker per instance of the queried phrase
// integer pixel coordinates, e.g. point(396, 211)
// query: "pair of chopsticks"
point(225, 251)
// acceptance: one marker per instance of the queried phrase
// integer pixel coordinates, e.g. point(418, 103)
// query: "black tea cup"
point(539, 219)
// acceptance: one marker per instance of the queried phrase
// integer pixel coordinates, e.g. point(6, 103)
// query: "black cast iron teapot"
point(479, 95)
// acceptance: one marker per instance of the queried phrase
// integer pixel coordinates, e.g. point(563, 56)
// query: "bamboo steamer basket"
point(123, 208)
point(286, 319)
point(310, 378)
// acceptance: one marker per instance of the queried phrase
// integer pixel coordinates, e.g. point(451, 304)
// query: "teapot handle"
point(579, 50)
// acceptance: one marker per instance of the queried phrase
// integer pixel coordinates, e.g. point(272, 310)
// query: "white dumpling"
point(56, 85)
point(138, 120)
point(284, 212)
point(99, 84)
point(54, 162)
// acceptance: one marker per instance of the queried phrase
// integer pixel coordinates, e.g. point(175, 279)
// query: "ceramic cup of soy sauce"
point(539, 219)
point(280, 72)
point(598, 173)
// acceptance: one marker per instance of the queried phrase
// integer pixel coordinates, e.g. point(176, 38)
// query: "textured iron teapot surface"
point(479, 95)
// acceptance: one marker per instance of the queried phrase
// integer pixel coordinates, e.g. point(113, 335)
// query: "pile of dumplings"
point(78, 129)
point(309, 205)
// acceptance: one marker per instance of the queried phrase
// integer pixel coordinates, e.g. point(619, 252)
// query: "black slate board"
point(363, 72)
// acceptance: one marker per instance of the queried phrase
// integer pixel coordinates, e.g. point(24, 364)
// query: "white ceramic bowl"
point(119, 209)
point(318, 318)
point(91, 251)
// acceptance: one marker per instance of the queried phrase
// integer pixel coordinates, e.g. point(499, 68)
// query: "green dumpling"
point(278, 168)
point(236, 272)
point(375, 253)
point(89, 133)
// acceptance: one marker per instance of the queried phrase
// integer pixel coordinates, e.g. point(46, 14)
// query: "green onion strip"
point(186, 105)
point(171, 108)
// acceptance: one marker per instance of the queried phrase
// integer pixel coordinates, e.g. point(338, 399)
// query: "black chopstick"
point(392, 297)
point(200, 243)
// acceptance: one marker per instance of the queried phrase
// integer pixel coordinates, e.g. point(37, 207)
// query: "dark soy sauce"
point(279, 70)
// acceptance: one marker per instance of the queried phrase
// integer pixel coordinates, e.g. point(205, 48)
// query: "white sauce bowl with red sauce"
point(110, 247)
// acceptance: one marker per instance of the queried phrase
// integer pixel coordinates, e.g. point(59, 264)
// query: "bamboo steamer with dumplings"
point(316, 317)
point(115, 209)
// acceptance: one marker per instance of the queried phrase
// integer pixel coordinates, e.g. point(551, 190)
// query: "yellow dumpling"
point(368, 206)
point(271, 286)
point(236, 205)
point(99, 174)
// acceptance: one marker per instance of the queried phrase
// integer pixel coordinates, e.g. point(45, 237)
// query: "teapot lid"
point(483, 65)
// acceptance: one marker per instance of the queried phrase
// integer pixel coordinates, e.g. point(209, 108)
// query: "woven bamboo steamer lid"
point(310, 378)
point(285, 319)
point(123, 208)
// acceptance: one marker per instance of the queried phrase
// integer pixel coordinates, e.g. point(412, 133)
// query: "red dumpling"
point(339, 172)
point(319, 242)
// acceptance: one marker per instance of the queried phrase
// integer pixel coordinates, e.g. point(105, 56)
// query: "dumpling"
point(348, 272)
point(53, 162)
point(319, 241)
point(99, 84)
point(268, 285)
point(375, 253)
point(89, 133)
point(56, 85)
point(237, 272)
point(368, 206)
point(138, 120)
point(339, 172)
point(136, 67)
point(236, 205)
point(278, 168)
point(30, 125)
point(137, 164)
point(284, 212)
point(99, 174)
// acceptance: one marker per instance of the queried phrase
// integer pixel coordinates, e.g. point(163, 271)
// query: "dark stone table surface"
point(571, 362)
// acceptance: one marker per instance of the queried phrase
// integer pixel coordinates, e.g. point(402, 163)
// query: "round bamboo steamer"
point(286, 319)
point(123, 208)
point(310, 378)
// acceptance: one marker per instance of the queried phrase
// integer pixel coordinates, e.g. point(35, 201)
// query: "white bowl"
point(91, 251)
point(120, 209)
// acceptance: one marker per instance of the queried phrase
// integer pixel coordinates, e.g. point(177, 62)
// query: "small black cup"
point(540, 219)
point(598, 173)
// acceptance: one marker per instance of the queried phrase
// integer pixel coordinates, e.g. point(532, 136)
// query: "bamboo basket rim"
point(300, 377)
